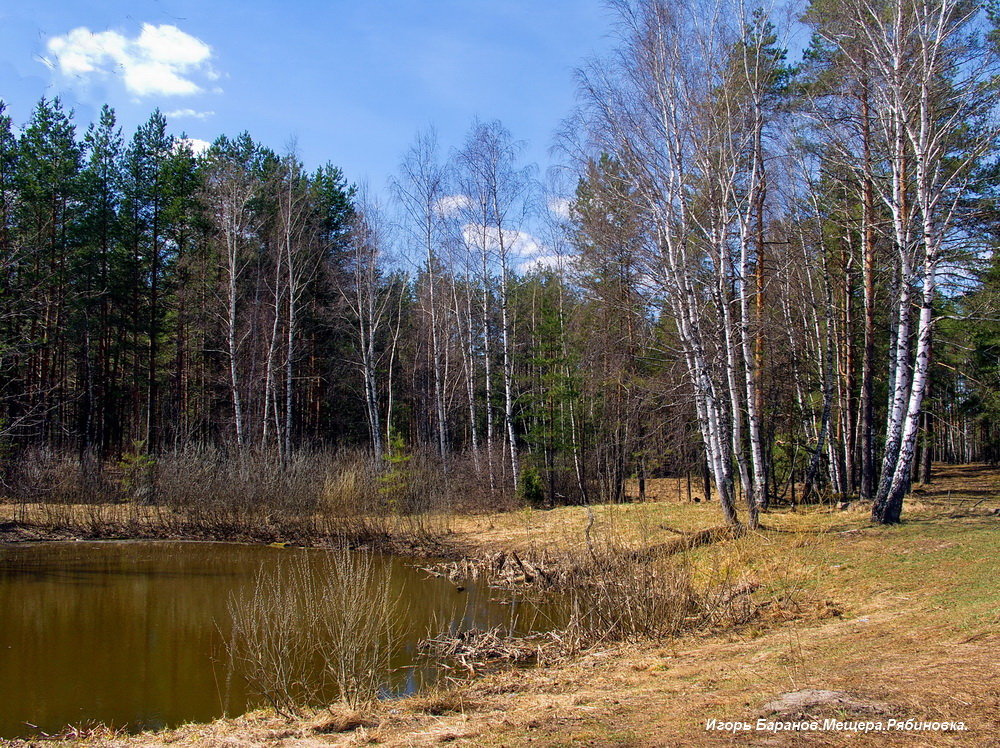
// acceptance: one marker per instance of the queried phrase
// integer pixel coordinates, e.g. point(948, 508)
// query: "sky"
point(346, 82)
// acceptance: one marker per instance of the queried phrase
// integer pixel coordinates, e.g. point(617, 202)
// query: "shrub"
point(324, 630)
point(138, 471)
point(531, 489)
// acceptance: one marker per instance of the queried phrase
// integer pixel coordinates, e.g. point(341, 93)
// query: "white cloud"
point(520, 244)
point(527, 245)
point(196, 145)
point(543, 262)
point(449, 205)
point(188, 114)
point(82, 51)
point(560, 207)
point(161, 60)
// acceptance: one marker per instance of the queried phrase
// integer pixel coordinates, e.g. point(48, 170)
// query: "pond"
point(132, 634)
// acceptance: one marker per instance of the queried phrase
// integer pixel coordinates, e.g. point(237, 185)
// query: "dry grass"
point(207, 494)
point(336, 720)
point(440, 701)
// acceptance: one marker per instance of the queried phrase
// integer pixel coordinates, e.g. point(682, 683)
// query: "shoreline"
point(15, 532)
point(831, 613)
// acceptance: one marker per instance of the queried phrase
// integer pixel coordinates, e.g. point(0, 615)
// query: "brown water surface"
point(131, 634)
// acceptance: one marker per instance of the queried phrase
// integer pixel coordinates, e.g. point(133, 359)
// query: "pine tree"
point(146, 197)
point(48, 183)
point(99, 271)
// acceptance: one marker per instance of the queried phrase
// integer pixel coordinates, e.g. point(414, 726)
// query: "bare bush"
point(608, 592)
point(322, 631)
point(204, 492)
point(620, 594)
point(612, 592)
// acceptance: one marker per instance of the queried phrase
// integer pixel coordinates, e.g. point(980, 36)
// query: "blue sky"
point(350, 82)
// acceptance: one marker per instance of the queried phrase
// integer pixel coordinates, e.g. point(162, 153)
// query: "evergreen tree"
point(48, 183)
point(100, 273)
point(146, 198)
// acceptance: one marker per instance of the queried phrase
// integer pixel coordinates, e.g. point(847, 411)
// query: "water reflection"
point(131, 633)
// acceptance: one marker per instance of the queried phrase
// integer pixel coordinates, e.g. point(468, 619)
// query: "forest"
point(769, 274)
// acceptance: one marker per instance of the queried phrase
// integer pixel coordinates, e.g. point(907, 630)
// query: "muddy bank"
point(401, 540)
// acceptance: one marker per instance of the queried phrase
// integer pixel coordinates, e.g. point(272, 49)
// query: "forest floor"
point(903, 622)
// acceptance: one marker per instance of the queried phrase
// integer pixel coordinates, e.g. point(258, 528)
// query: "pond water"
point(132, 634)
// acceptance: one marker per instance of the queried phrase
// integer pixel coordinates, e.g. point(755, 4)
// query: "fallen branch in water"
point(504, 569)
point(474, 649)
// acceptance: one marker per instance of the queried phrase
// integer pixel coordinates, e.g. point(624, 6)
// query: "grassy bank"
point(904, 620)
point(314, 498)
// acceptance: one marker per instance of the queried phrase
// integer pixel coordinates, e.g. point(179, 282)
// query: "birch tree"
point(933, 107)
point(497, 190)
point(420, 189)
point(300, 263)
point(683, 108)
point(369, 304)
point(230, 189)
